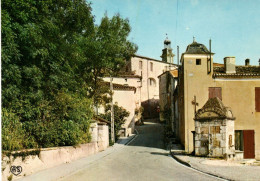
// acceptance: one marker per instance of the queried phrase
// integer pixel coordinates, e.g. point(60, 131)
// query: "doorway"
point(249, 143)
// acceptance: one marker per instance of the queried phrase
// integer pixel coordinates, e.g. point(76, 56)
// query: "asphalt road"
point(143, 159)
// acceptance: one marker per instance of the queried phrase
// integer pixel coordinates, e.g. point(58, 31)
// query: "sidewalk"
point(231, 170)
point(62, 170)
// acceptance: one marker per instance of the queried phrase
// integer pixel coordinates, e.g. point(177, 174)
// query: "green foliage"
point(53, 58)
point(23, 154)
point(14, 136)
point(120, 115)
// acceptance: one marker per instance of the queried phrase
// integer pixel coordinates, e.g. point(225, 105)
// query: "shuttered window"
point(140, 65)
point(215, 92)
point(257, 99)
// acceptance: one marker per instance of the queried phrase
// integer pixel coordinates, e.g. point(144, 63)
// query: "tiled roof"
point(148, 58)
point(129, 76)
point(241, 72)
point(218, 65)
point(101, 120)
point(120, 86)
point(196, 48)
point(174, 73)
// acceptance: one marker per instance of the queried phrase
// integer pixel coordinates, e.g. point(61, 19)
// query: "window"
point(140, 65)
point(215, 92)
point(152, 82)
point(257, 99)
point(151, 66)
point(198, 61)
point(239, 140)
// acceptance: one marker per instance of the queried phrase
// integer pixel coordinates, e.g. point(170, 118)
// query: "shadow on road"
point(151, 134)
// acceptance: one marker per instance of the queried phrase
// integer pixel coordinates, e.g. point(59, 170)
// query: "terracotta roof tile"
point(241, 72)
point(174, 73)
point(120, 86)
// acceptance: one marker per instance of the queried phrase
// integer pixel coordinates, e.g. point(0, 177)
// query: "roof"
point(129, 76)
point(174, 73)
point(218, 65)
point(120, 86)
point(196, 48)
point(241, 72)
point(152, 59)
point(214, 109)
point(101, 120)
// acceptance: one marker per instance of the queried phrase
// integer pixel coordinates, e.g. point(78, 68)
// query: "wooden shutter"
point(215, 92)
point(249, 143)
point(257, 99)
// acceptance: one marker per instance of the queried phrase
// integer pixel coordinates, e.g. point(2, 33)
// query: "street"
point(143, 159)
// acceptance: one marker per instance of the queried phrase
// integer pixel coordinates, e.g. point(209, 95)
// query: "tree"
point(106, 51)
point(53, 57)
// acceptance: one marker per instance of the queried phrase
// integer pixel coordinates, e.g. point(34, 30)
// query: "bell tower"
point(167, 55)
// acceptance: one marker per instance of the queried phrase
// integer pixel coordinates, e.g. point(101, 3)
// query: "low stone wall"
point(50, 157)
point(103, 137)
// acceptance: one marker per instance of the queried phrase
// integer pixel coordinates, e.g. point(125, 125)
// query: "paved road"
point(143, 159)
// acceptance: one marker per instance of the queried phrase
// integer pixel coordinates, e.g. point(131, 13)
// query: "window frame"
point(151, 66)
point(140, 65)
point(198, 61)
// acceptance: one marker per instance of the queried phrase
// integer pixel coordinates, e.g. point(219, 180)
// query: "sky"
point(232, 25)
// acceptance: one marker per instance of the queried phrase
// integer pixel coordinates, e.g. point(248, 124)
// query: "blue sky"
point(233, 25)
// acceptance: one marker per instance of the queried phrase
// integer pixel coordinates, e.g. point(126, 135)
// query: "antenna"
point(178, 55)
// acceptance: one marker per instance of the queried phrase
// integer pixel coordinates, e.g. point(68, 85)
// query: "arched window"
point(152, 82)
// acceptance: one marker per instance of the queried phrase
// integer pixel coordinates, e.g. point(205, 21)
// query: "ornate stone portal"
point(214, 130)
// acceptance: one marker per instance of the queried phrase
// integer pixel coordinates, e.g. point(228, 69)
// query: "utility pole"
point(112, 111)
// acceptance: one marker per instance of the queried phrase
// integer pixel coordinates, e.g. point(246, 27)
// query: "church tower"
point(167, 55)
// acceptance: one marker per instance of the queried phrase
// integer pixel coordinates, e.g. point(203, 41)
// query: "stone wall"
point(149, 93)
point(103, 137)
point(214, 138)
point(50, 157)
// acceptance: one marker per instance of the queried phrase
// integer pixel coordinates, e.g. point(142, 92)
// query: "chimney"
point(230, 65)
point(247, 62)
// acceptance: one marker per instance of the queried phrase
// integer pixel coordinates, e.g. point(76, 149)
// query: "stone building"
point(138, 85)
point(167, 85)
point(236, 86)
point(124, 96)
point(214, 130)
point(149, 69)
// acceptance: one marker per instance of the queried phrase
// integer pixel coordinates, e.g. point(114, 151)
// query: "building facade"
point(238, 87)
point(149, 69)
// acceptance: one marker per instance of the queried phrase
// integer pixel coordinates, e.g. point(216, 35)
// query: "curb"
point(179, 160)
point(188, 165)
point(128, 140)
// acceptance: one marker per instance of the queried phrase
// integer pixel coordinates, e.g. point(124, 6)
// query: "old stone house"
point(124, 96)
point(149, 69)
point(238, 87)
point(138, 85)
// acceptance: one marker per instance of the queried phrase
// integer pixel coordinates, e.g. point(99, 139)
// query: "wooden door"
point(249, 143)
point(257, 99)
point(215, 92)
